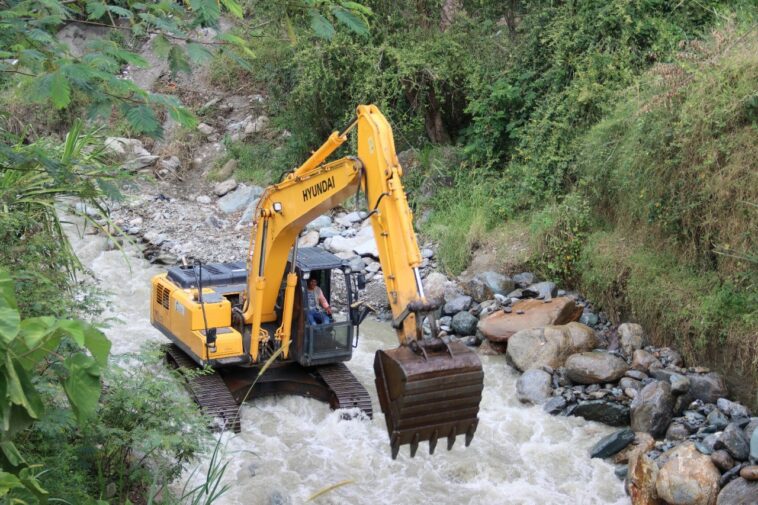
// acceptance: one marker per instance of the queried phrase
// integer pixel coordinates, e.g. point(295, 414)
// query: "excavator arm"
point(427, 388)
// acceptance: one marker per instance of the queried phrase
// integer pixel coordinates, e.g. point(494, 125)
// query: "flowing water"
point(291, 448)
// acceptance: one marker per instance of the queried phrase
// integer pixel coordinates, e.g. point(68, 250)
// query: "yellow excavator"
point(234, 317)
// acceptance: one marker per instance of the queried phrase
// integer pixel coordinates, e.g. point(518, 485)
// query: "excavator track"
point(209, 391)
point(347, 391)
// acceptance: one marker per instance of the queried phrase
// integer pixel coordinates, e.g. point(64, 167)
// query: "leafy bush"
point(558, 233)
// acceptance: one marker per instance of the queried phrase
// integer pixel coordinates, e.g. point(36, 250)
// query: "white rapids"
point(291, 448)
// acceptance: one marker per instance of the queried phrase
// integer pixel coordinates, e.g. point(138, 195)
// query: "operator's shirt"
point(316, 298)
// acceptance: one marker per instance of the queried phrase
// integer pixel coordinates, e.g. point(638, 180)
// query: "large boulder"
point(707, 388)
point(631, 337)
point(732, 409)
point(464, 323)
point(644, 361)
point(534, 386)
point(688, 477)
point(583, 338)
point(641, 444)
point(541, 290)
point(596, 367)
point(439, 288)
point(239, 199)
point(457, 304)
point(224, 187)
point(525, 314)
point(538, 347)
point(652, 409)
point(735, 442)
point(739, 492)
point(319, 222)
point(486, 285)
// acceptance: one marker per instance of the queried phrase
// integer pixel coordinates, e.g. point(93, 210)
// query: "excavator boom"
point(427, 388)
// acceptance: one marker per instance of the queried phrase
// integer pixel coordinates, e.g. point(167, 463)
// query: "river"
point(291, 447)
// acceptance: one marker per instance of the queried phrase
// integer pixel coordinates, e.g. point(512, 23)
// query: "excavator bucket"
point(429, 393)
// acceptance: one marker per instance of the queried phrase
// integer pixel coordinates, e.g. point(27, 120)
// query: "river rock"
point(319, 222)
point(227, 171)
point(457, 304)
point(464, 323)
point(538, 347)
point(491, 348)
point(439, 288)
point(629, 383)
point(749, 473)
point(651, 409)
point(525, 314)
point(707, 387)
point(732, 409)
point(677, 431)
point(612, 444)
point(206, 129)
point(641, 479)
point(596, 367)
point(739, 492)
point(257, 125)
point(680, 384)
point(554, 405)
point(688, 478)
point(223, 187)
point(631, 337)
point(486, 285)
point(534, 386)
point(524, 279)
point(583, 338)
point(542, 290)
point(247, 215)
point(735, 442)
point(754, 445)
point(239, 199)
point(670, 357)
point(644, 361)
point(717, 420)
point(603, 411)
point(723, 460)
point(309, 239)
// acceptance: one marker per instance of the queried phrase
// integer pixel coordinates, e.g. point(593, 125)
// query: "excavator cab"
point(328, 339)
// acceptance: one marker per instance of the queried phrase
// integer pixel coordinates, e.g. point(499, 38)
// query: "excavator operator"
point(317, 301)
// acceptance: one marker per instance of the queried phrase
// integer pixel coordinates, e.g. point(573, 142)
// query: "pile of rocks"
point(683, 441)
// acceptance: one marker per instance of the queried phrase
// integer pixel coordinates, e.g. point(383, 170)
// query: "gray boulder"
point(596, 367)
point(705, 387)
point(754, 445)
point(732, 409)
point(602, 411)
point(652, 409)
point(457, 304)
point(555, 405)
point(631, 337)
point(495, 283)
point(239, 199)
point(543, 290)
point(734, 441)
point(679, 384)
point(738, 492)
point(224, 187)
point(524, 279)
point(716, 420)
point(538, 347)
point(464, 323)
point(644, 361)
point(319, 222)
point(534, 386)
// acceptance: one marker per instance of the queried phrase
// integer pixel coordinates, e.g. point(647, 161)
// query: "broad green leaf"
point(352, 21)
point(233, 7)
point(10, 320)
point(7, 290)
point(142, 118)
point(88, 336)
point(20, 389)
point(8, 481)
point(35, 330)
point(177, 60)
point(82, 385)
point(11, 454)
point(320, 25)
point(32, 484)
point(60, 91)
point(198, 53)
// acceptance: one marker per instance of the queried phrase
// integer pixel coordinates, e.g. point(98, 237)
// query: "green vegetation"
point(632, 120)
